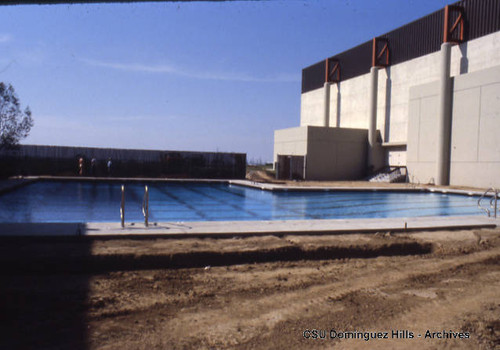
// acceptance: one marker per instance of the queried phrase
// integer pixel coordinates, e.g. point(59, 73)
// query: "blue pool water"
point(100, 202)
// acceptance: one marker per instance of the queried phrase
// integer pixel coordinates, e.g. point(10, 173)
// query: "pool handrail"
point(493, 202)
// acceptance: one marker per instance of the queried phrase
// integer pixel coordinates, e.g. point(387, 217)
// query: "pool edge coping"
point(226, 229)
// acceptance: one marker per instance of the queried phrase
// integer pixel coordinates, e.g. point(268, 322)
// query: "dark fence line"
point(59, 160)
point(415, 39)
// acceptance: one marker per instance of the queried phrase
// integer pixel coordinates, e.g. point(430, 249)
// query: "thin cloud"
point(5, 38)
point(168, 69)
point(131, 67)
point(140, 118)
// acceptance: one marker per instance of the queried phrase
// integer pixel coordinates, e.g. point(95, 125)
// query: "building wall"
point(475, 149)
point(394, 88)
point(291, 142)
point(415, 53)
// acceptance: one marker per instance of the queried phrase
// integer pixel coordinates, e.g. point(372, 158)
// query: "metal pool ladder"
point(145, 206)
point(493, 202)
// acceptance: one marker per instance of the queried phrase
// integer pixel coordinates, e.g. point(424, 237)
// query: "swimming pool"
point(72, 201)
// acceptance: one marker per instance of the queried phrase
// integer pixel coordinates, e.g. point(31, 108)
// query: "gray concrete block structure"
point(329, 153)
point(435, 110)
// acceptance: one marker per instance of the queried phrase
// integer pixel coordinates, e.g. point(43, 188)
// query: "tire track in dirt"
point(450, 310)
point(244, 319)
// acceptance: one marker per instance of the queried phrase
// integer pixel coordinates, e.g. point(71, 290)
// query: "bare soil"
point(266, 292)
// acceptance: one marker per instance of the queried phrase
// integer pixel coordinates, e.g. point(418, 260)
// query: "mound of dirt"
point(261, 176)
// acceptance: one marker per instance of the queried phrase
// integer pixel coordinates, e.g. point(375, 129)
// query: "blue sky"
point(196, 76)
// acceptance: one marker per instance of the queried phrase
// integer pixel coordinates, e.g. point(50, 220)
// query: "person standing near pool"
point(80, 166)
point(93, 164)
point(109, 164)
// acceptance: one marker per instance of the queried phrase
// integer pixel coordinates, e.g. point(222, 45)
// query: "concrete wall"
point(475, 146)
point(336, 153)
point(394, 91)
point(291, 142)
point(331, 153)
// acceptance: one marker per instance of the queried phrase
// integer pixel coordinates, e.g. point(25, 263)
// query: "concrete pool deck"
point(245, 228)
point(248, 228)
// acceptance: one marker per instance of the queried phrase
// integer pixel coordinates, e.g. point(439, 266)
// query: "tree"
point(14, 123)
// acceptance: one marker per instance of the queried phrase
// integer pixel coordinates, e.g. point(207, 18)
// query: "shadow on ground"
point(45, 281)
point(41, 308)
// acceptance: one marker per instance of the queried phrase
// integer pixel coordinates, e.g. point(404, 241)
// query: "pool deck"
point(246, 228)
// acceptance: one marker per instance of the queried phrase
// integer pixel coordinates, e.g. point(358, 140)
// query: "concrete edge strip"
point(118, 179)
point(243, 228)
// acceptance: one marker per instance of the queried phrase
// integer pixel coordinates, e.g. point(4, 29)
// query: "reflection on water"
point(100, 202)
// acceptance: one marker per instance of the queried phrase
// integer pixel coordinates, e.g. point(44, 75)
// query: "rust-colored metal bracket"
point(457, 27)
point(380, 52)
point(332, 70)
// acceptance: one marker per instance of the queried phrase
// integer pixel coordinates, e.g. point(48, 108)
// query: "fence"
point(59, 160)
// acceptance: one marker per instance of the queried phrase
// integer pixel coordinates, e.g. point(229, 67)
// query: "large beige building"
point(425, 96)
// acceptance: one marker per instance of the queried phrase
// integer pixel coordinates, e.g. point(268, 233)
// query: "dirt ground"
point(422, 290)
